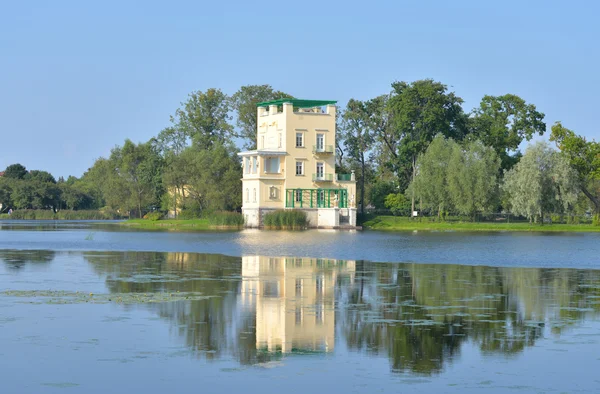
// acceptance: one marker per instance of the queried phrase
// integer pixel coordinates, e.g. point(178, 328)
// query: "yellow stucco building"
point(293, 166)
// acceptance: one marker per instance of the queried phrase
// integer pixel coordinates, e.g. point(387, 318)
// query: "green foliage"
point(358, 140)
point(541, 183)
point(398, 204)
point(473, 178)
point(204, 118)
point(244, 103)
point(431, 181)
point(153, 216)
point(503, 122)
point(379, 191)
point(584, 158)
point(418, 111)
point(15, 171)
point(46, 214)
point(224, 218)
point(285, 219)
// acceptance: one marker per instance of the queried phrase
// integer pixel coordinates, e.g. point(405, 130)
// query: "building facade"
point(293, 166)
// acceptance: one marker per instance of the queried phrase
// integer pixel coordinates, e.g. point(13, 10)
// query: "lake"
point(91, 307)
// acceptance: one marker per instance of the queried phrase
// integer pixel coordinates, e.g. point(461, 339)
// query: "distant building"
point(293, 166)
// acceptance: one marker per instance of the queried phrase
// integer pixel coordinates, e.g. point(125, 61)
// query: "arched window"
point(254, 194)
point(247, 195)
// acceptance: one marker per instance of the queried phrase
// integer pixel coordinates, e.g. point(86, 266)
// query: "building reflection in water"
point(294, 300)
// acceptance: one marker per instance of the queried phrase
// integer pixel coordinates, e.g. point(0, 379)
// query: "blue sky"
point(77, 77)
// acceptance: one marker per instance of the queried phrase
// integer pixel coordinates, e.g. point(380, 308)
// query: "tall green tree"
point(541, 183)
point(473, 172)
point(204, 118)
point(15, 171)
point(584, 158)
point(418, 111)
point(503, 122)
point(244, 103)
point(213, 178)
point(431, 182)
point(358, 140)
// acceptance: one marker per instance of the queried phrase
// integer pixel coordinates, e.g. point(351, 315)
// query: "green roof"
point(297, 103)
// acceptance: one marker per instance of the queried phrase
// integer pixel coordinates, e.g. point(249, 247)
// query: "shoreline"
point(396, 223)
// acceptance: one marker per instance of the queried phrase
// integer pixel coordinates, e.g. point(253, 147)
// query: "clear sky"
point(78, 77)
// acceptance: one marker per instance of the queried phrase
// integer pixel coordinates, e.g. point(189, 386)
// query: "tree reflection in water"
point(17, 259)
point(418, 315)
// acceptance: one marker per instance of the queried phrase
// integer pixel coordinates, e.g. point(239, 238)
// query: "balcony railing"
point(322, 177)
point(344, 177)
point(322, 149)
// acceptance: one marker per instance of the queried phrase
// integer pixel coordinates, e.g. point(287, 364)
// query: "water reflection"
point(417, 315)
point(17, 259)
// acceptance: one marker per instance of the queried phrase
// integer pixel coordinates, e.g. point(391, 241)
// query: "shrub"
point(596, 220)
point(398, 204)
point(153, 216)
point(224, 218)
point(285, 219)
point(187, 214)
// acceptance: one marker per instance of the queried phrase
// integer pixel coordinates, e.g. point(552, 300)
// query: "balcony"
point(322, 149)
point(344, 177)
point(322, 177)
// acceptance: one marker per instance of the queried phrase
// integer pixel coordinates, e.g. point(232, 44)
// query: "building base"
point(324, 218)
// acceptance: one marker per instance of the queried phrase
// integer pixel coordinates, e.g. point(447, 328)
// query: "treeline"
point(474, 166)
point(412, 148)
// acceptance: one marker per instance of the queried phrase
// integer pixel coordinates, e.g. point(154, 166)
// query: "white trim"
point(322, 130)
point(301, 129)
point(263, 153)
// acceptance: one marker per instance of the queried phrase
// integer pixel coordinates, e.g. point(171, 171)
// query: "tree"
point(473, 178)
point(541, 183)
point(15, 171)
point(431, 181)
point(204, 118)
point(244, 102)
point(358, 140)
point(584, 158)
point(503, 122)
point(213, 178)
point(42, 176)
point(419, 111)
point(141, 168)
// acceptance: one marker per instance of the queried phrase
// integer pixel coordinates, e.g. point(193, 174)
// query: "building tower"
point(293, 166)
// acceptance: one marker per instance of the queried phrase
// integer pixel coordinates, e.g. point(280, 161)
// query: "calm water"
point(89, 309)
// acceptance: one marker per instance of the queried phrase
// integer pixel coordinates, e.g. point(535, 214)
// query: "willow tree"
point(431, 181)
point(584, 158)
point(541, 183)
point(473, 178)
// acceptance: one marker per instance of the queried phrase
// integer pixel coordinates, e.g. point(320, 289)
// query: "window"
point(254, 194)
point(299, 140)
point(247, 195)
point(299, 168)
point(299, 195)
point(247, 160)
point(254, 164)
point(280, 140)
point(272, 165)
point(320, 142)
point(320, 171)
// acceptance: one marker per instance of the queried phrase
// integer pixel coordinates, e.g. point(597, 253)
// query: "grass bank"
point(217, 220)
point(395, 223)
